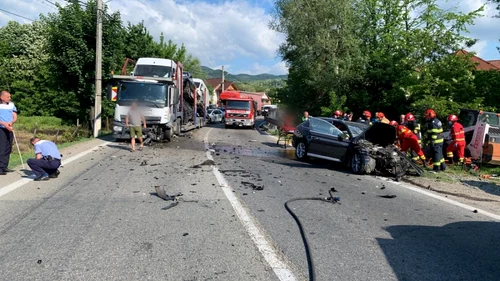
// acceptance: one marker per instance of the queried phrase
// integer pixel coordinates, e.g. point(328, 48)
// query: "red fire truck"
point(240, 111)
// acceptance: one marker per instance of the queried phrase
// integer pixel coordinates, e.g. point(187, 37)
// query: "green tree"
point(366, 54)
point(322, 51)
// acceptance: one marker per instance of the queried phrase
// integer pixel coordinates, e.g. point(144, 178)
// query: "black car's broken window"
point(324, 127)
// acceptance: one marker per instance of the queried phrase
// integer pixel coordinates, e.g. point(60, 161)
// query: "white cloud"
point(215, 33)
point(226, 32)
point(278, 68)
point(479, 48)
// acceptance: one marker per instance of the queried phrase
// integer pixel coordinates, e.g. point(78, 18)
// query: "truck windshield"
point(234, 104)
point(153, 71)
point(143, 92)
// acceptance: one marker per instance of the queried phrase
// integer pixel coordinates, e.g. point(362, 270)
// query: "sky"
point(233, 33)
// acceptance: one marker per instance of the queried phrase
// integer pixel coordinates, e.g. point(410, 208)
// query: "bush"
point(29, 123)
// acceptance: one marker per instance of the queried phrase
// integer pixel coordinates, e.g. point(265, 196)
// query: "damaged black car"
point(364, 149)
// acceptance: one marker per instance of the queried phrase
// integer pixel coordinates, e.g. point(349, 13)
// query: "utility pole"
point(98, 71)
point(223, 78)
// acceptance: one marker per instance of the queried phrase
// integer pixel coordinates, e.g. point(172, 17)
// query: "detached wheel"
point(301, 150)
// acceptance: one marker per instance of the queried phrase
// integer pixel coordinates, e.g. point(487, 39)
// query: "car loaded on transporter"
point(166, 95)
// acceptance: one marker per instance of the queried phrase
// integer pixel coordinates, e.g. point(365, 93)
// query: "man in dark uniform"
point(47, 159)
point(8, 116)
point(435, 133)
point(367, 115)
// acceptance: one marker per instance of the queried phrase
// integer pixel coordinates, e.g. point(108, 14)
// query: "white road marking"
point(270, 254)
point(444, 199)
point(439, 197)
point(21, 182)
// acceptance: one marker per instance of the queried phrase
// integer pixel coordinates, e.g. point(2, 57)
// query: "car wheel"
point(357, 166)
point(301, 150)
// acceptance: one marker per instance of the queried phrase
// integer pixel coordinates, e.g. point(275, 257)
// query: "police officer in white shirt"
point(8, 116)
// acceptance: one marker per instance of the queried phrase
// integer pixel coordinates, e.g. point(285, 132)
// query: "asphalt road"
point(101, 219)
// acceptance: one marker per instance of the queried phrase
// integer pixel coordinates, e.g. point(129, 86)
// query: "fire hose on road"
point(331, 199)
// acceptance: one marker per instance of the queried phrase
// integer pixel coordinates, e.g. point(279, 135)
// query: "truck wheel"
point(178, 127)
point(169, 133)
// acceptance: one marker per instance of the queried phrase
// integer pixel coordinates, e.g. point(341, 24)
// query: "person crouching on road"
point(133, 122)
point(47, 160)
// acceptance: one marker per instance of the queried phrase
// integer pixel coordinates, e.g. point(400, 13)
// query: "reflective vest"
point(415, 127)
point(435, 131)
point(457, 132)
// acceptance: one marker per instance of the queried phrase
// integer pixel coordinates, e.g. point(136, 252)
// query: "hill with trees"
point(242, 78)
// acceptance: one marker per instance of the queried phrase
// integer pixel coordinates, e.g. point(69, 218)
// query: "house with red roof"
point(480, 63)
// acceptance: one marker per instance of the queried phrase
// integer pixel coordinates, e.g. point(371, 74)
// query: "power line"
point(14, 14)
point(50, 2)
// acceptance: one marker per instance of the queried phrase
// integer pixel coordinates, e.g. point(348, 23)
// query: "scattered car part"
point(160, 191)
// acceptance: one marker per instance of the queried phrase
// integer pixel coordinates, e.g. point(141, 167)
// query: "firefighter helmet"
point(367, 114)
point(452, 118)
point(379, 115)
point(429, 114)
point(393, 123)
point(338, 113)
point(409, 117)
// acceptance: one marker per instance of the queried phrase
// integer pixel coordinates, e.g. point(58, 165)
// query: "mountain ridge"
point(242, 77)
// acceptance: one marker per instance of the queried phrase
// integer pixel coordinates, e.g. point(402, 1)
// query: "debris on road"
point(160, 192)
point(144, 163)
point(185, 234)
point(39, 261)
point(475, 211)
point(252, 185)
point(204, 163)
point(208, 163)
point(389, 196)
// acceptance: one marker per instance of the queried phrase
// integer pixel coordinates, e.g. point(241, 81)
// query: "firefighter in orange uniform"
point(409, 140)
point(381, 117)
point(457, 135)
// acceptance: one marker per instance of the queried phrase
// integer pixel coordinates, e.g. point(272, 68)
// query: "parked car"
point(364, 149)
point(215, 115)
